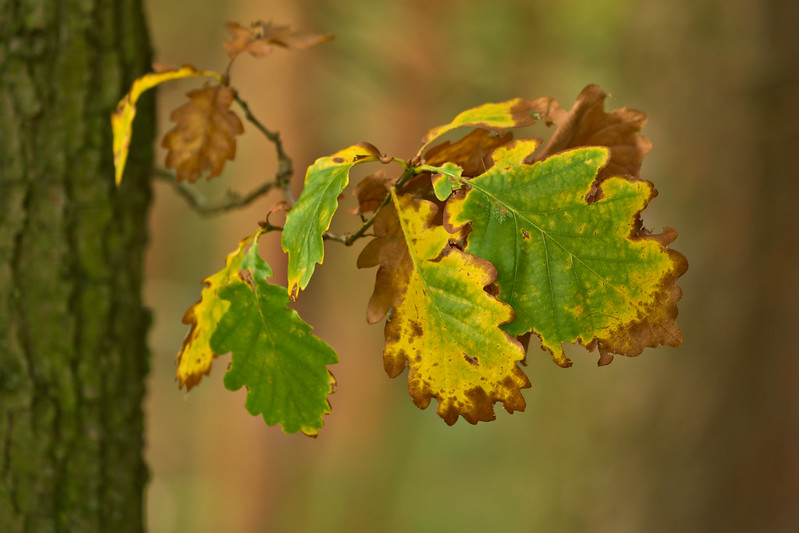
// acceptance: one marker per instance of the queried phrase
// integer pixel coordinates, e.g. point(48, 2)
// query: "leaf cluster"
point(482, 242)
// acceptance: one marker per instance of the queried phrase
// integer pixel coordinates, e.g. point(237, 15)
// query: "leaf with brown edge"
point(496, 117)
point(656, 324)
point(445, 327)
point(258, 39)
point(587, 124)
point(573, 270)
point(204, 136)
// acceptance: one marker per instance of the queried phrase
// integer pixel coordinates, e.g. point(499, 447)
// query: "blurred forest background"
point(700, 438)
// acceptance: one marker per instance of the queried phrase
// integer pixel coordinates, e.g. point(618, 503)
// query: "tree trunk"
point(72, 326)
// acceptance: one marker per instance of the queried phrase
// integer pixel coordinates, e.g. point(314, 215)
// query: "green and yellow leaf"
point(573, 270)
point(195, 356)
point(311, 215)
point(496, 117)
point(273, 353)
point(122, 117)
point(445, 327)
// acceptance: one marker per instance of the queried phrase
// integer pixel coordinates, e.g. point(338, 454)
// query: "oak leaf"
point(445, 327)
point(573, 270)
point(273, 353)
point(204, 136)
point(389, 251)
point(260, 37)
point(587, 124)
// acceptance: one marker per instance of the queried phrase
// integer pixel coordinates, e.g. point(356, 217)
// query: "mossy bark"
point(73, 356)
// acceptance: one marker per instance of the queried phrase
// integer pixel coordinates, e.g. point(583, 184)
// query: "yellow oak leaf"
point(445, 327)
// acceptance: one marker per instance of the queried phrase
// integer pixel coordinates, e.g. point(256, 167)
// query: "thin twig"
point(407, 174)
point(284, 164)
point(199, 203)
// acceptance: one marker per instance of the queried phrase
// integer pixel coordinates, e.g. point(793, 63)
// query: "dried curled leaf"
point(573, 270)
point(445, 327)
point(122, 117)
point(204, 136)
point(587, 124)
point(260, 37)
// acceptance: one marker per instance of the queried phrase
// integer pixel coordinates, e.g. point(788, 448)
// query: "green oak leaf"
point(573, 270)
point(273, 353)
point(311, 215)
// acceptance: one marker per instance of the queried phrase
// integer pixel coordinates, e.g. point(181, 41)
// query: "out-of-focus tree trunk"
point(72, 325)
point(752, 444)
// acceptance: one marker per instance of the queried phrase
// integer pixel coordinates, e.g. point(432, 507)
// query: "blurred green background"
point(700, 438)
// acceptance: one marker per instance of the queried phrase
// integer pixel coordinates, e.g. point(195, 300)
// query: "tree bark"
point(73, 355)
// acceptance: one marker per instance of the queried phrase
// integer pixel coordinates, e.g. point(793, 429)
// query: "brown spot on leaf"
point(471, 360)
point(246, 277)
point(338, 160)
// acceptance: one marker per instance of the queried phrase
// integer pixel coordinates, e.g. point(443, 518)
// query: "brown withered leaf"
point(204, 136)
point(657, 323)
point(260, 37)
point(587, 124)
point(387, 249)
point(371, 191)
point(471, 152)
